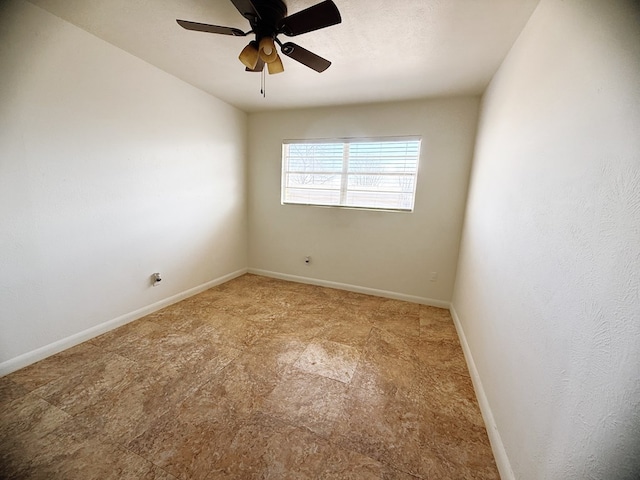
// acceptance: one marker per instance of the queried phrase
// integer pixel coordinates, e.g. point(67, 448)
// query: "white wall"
point(391, 252)
point(548, 287)
point(110, 170)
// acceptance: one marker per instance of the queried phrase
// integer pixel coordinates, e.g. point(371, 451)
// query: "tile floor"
point(256, 378)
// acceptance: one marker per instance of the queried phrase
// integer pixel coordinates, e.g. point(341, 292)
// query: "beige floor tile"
point(122, 338)
point(231, 330)
point(64, 363)
point(451, 395)
point(384, 427)
point(10, 391)
point(307, 401)
point(23, 424)
point(239, 304)
point(203, 362)
point(70, 452)
point(462, 447)
point(389, 309)
point(279, 350)
point(358, 301)
point(238, 390)
point(130, 408)
point(382, 343)
point(266, 448)
point(75, 392)
point(303, 325)
point(329, 359)
point(184, 320)
point(188, 440)
point(29, 416)
point(387, 374)
point(159, 347)
point(157, 473)
point(351, 312)
point(442, 355)
point(439, 331)
point(429, 315)
point(348, 332)
point(185, 446)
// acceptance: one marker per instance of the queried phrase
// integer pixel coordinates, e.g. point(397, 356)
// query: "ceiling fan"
point(268, 19)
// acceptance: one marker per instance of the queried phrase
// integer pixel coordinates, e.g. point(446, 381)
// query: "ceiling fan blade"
point(319, 16)
point(204, 27)
point(305, 57)
point(246, 9)
point(259, 66)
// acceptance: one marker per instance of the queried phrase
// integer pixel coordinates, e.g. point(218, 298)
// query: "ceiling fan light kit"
point(268, 19)
point(249, 55)
point(268, 51)
point(276, 66)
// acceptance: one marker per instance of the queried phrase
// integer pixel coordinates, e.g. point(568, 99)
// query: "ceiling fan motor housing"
point(271, 13)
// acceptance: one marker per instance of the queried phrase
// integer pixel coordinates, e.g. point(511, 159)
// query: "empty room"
point(366, 240)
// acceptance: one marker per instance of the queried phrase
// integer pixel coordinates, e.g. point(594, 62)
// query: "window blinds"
point(359, 173)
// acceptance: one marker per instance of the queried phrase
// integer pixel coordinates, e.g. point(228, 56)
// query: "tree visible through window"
point(377, 173)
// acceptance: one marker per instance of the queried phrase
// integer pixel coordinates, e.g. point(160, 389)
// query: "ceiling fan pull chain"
point(263, 89)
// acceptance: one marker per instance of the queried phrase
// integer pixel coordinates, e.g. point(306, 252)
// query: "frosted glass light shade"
point(268, 51)
point(249, 55)
point(275, 66)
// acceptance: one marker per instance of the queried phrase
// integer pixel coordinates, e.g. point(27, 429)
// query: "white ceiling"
point(384, 50)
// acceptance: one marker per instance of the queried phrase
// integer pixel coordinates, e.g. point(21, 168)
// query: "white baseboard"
point(499, 452)
point(352, 288)
point(43, 352)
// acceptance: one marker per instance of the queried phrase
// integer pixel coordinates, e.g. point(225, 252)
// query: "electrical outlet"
point(433, 277)
point(307, 260)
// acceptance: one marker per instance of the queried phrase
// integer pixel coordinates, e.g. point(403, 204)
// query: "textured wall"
point(110, 170)
point(549, 273)
point(387, 251)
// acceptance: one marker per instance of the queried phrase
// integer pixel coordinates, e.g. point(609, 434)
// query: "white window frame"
point(344, 174)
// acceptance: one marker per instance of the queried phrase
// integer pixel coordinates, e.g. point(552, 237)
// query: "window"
point(359, 173)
